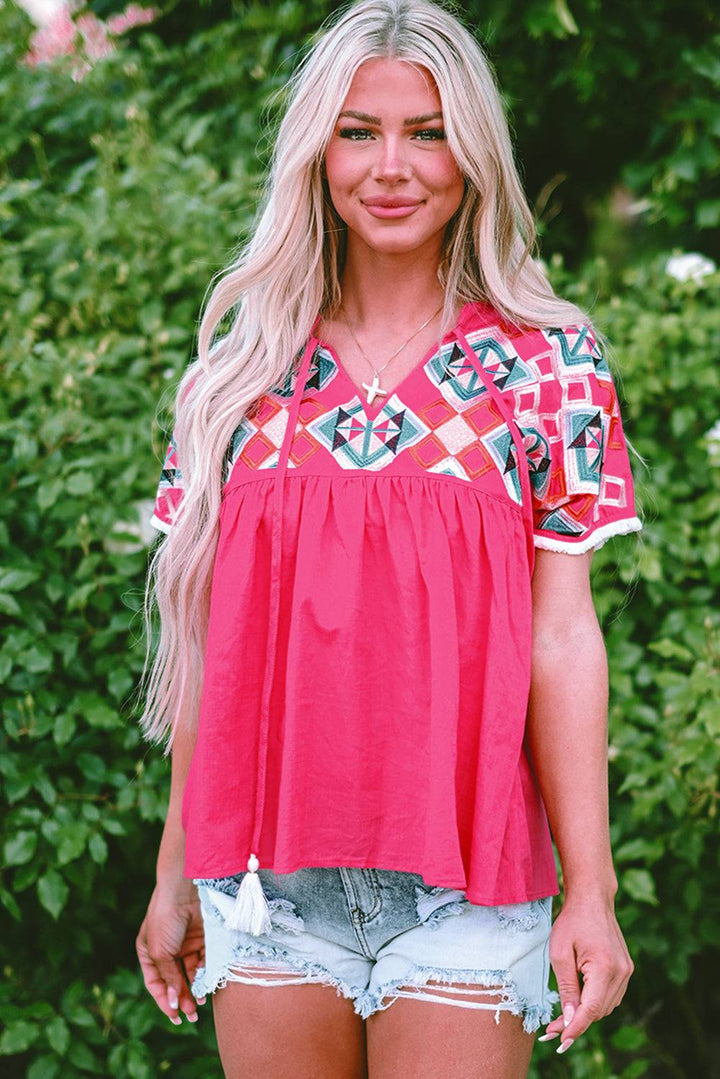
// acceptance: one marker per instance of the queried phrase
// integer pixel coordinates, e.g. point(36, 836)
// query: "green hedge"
point(108, 240)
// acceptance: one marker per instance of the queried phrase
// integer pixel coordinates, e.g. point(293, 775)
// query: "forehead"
point(389, 88)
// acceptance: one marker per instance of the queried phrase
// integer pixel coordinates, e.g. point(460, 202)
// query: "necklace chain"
point(374, 389)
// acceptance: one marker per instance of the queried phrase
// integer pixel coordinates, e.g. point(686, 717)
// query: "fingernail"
point(568, 1013)
point(549, 1037)
point(172, 997)
point(201, 1000)
point(565, 1045)
point(192, 1017)
point(175, 1019)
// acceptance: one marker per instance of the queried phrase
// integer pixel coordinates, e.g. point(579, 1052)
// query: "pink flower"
point(133, 15)
point(55, 38)
point(84, 36)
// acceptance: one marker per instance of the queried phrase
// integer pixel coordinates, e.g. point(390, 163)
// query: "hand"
point(586, 938)
point(171, 946)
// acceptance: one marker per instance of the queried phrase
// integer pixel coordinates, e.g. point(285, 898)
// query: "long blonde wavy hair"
point(291, 270)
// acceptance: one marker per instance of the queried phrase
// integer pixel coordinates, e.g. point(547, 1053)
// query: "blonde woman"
point(379, 672)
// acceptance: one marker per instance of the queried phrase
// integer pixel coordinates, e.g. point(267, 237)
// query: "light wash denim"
point(378, 935)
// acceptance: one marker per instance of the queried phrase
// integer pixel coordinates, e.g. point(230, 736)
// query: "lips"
point(387, 203)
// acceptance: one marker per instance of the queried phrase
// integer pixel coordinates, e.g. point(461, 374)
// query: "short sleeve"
point(169, 491)
point(581, 482)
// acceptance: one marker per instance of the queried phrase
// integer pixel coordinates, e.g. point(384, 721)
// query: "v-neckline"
point(372, 412)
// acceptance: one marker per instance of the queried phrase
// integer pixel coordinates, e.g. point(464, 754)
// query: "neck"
point(398, 289)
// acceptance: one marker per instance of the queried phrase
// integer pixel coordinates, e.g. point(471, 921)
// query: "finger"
point(157, 987)
point(186, 1001)
point(593, 1005)
point(568, 983)
point(616, 992)
point(154, 982)
point(191, 963)
point(171, 972)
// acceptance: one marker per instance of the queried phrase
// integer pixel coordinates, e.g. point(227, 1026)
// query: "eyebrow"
point(412, 121)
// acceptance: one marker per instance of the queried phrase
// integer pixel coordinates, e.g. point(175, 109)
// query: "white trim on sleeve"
point(162, 526)
point(595, 540)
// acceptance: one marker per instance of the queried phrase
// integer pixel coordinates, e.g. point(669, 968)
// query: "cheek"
point(445, 176)
point(340, 169)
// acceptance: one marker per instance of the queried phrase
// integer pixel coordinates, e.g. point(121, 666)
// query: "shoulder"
point(535, 360)
point(565, 347)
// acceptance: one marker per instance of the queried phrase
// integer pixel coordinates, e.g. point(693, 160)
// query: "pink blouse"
point(368, 655)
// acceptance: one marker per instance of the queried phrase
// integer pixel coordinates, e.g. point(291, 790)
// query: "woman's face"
point(391, 176)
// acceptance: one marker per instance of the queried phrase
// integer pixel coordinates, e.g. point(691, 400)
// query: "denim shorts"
point(377, 935)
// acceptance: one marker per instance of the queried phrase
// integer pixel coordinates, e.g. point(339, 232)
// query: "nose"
point(391, 163)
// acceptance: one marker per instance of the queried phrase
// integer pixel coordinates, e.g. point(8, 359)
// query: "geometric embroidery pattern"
point(256, 441)
point(537, 452)
point(504, 366)
point(502, 449)
point(584, 442)
point(578, 348)
point(322, 370)
point(356, 441)
point(454, 375)
point(452, 444)
point(170, 476)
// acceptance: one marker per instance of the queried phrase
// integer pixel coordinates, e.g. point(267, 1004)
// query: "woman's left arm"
point(567, 741)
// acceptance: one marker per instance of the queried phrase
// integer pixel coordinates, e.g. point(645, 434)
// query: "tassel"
point(251, 913)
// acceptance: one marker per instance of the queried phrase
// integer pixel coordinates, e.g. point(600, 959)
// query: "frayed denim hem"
point(499, 982)
point(313, 972)
point(367, 1002)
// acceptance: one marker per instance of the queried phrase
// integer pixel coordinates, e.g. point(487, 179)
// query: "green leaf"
point(53, 892)
point(92, 766)
point(48, 493)
point(58, 1035)
point(83, 1057)
point(671, 650)
point(639, 884)
point(17, 1037)
point(138, 1063)
point(98, 848)
point(37, 660)
point(114, 826)
point(73, 838)
point(629, 1038)
point(8, 604)
point(64, 728)
point(14, 580)
point(635, 1069)
point(20, 848)
point(80, 483)
point(10, 903)
point(564, 17)
point(44, 1067)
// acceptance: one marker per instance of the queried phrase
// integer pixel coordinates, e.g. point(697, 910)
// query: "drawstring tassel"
point(251, 913)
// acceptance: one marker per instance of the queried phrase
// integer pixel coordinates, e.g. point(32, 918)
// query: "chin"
point(394, 241)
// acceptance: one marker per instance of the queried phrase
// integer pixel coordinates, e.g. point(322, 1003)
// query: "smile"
point(391, 208)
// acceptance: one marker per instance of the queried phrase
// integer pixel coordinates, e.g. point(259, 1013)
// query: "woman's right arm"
point(170, 943)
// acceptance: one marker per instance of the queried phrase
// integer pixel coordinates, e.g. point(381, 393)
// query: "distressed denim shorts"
point(377, 935)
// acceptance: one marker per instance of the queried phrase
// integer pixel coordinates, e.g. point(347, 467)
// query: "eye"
point(430, 134)
point(358, 134)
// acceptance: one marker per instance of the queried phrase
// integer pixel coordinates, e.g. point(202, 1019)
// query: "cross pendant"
point(374, 389)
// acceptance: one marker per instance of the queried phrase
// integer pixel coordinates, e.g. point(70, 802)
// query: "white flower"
point(712, 441)
point(690, 265)
point(714, 433)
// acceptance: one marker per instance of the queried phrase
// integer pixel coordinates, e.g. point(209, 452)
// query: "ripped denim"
point(378, 935)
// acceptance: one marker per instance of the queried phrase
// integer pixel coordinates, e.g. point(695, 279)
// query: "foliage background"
point(122, 193)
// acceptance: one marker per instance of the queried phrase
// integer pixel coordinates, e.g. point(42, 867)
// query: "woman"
point(379, 669)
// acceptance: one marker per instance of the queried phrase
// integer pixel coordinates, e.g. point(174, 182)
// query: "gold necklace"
point(374, 389)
